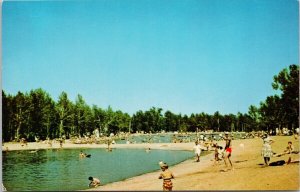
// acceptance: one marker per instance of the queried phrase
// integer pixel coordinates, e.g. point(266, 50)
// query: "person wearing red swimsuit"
point(228, 150)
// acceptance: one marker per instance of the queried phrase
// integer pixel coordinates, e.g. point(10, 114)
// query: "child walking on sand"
point(166, 175)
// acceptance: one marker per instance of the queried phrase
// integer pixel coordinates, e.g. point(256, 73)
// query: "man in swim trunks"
point(228, 149)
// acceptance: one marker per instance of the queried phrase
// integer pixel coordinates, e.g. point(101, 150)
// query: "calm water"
point(63, 169)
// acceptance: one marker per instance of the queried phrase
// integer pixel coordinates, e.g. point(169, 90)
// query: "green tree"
point(21, 110)
point(287, 81)
point(184, 123)
point(83, 117)
point(139, 122)
point(98, 118)
point(41, 114)
point(271, 112)
point(255, 117)
point(170, 121)
point(7, 117)
point(64, 111)
point(216, 121)
point(120, 122)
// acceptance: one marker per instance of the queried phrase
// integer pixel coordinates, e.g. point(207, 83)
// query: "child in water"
point(95, 182)
point(166, 175)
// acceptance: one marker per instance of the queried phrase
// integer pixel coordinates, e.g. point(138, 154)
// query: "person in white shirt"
point(197, 149)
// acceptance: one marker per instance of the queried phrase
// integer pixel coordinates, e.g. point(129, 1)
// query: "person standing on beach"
point(166, 175)
point(197, 149)
point(228, 150)
point(218, 153)
point(289, 150)
point(61, 142)
point(266, 150)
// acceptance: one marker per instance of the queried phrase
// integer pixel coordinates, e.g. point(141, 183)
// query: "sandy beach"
point(248, 174)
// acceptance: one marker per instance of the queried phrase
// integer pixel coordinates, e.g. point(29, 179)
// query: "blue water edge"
point(63, 169)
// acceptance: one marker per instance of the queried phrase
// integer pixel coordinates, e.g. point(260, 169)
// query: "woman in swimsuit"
point(166, 175)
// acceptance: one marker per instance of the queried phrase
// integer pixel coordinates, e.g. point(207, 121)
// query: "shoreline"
point(248, 173)
point(38, 146)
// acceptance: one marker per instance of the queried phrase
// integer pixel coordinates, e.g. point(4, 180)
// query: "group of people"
point(220, 154)
point(267, 151)
point(225, 154)
point(167, 175)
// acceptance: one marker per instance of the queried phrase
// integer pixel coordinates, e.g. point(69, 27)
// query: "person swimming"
point(82, 155)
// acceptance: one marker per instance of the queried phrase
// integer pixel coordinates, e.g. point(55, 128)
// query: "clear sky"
point(186, 56)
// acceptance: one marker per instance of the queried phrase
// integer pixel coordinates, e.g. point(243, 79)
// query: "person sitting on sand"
point(95, 182)
point(290, 148)
point(166, 175)
point(197, 149)
point(266, 150)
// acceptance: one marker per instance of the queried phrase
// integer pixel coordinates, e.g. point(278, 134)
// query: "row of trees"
point(37, 114)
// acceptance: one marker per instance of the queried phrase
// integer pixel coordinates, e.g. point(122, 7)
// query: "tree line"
point(36, 114)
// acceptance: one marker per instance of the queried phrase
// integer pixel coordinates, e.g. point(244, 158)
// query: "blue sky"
point(186, 56)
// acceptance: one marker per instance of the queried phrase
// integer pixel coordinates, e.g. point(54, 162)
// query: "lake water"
point(56, 170)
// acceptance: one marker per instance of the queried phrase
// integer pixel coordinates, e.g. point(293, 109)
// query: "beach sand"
point(248, 174)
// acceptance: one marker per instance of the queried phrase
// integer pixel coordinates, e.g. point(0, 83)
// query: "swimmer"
point(82, 155)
